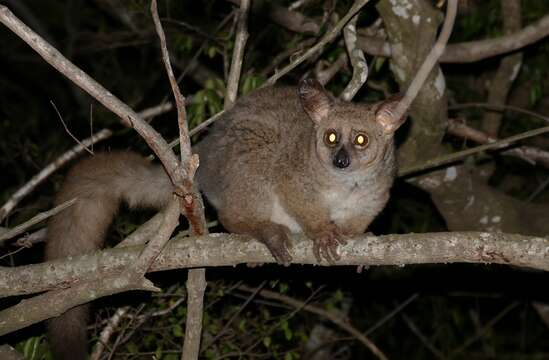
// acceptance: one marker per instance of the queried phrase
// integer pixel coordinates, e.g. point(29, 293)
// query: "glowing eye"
point(330, 137)
point(361, 140)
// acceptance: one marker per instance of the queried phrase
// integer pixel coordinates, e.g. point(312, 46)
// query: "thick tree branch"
point(471, 51)
point(55, 303)
point(232, 249)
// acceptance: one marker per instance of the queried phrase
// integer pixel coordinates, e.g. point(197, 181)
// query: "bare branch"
point(21, 228)
point(238, 54)
point(327, 38)
point(446, 159)
point(429, 61)
point(508, 69)
point(68, 156)
point(127, 115)
point(358, 62)
point(190, 204)
point(335, 318)
point(529, 154)
point(232, 249)
point(107, 332)
point(55, 303)
point(472, 51)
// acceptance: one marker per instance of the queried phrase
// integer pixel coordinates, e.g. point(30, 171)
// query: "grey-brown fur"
point(266, 169)
point(100, 184)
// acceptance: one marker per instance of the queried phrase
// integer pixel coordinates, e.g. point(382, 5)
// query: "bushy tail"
point(100, 184)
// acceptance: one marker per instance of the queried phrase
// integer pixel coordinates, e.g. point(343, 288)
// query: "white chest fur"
point(343, 204)
point(279, 215)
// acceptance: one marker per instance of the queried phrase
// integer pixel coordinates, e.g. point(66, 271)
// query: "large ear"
point(315, 100)
point(385, 114)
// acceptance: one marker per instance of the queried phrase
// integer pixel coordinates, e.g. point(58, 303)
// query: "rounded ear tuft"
point(315, 100)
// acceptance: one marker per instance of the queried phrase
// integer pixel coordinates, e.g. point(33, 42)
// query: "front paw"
point(326, 243)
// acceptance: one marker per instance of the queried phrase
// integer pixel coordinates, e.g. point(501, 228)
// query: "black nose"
point(342, 159)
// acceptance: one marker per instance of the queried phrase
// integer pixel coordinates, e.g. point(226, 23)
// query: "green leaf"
point(132, 348)
point(212, 50)
point(242, 325)
point(288, 334)
point(177, 330)
point(267, 341)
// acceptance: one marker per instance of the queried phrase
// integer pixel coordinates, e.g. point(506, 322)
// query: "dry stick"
point(37, 179)
point(325, 75)
point(430, 60)
point(446, 159)
point(531, 155)
point(358, 62)
point(190, 205)
point(235, 315)
point(508, 69)
point(107, 332)
point(92, 87)
point(21, 228)
point(55, 303)
point(412, 326)
point(130, 118)
point(328, 37)
point(196, 282)
point(502, 107)
point(127, 115)
point(67, 129)
point(524, 153)
point(483, 330)
point(238, 54)
point(334, 318)
point(391, 314)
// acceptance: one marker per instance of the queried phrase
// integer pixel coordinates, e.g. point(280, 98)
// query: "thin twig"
point(126, 114)
point(235, 315)
point(327, 38)
point(334, 318)
point(436, 352)
point(21, 228)
point(391, 314)
point(483, 330)
point(68, 156)
point(107, 332)
point(238, 55)
point(498, 107)
point(531, 155)
point(67, 129)
point(446, 159)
